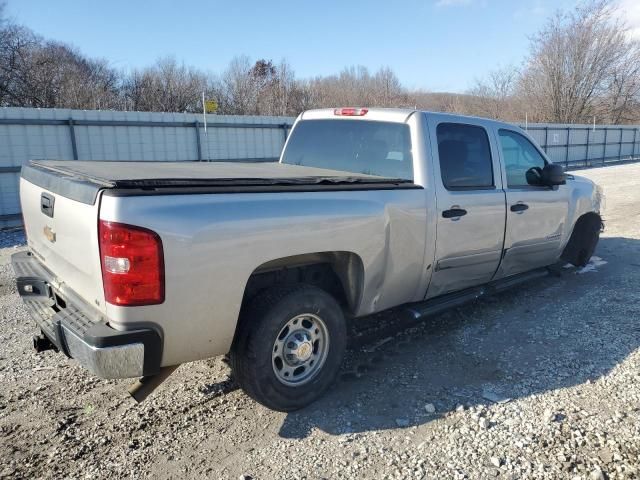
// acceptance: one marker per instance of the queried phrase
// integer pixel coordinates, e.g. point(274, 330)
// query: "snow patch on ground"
point(592, 266)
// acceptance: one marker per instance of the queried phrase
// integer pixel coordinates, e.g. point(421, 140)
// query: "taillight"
point(350, 112)
point(132, 264)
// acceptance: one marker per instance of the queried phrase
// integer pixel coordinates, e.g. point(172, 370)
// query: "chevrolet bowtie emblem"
point(50, 234)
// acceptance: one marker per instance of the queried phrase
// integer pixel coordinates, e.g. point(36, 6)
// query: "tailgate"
point(63, 234)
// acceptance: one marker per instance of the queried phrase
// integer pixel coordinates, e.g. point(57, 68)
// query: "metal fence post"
point(546, 140)
point(633, 150)
point(72, 135)
point(620, 146)
point(604, 148)
point(586, 160)
point(566, 156)
point(198, 146)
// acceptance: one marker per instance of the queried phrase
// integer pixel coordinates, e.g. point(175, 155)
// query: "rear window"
point(374, 148)
point(465, 157)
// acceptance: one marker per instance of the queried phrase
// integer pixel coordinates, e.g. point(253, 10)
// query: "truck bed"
point(82, 180)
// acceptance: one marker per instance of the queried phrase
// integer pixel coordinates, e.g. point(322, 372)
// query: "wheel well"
point(581, 236)
point(338, 273)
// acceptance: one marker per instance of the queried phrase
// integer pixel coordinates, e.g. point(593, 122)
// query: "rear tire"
point(289, 346)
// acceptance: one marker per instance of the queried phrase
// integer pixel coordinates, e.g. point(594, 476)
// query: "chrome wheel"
point(300, 349)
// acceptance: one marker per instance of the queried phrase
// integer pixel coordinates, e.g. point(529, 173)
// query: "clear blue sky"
point(439, 45)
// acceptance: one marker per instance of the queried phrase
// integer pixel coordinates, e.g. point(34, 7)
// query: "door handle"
point(47, 203)
point(454, 213)
point(519, 207)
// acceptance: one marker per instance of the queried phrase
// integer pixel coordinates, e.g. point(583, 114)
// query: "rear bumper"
point(80, 331)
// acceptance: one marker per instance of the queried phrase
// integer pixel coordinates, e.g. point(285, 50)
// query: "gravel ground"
point(539, 382)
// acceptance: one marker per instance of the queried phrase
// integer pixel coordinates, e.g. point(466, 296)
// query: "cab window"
point(465, 157)
point(373, 148)
point(520, 156)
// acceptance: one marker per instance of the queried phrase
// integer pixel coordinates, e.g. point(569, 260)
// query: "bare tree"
point(356, 86)
point(621, 102)
point(302, 96)
point(57, 75)
point(582, 63)
point(39, 73)
point(276, 89)
point(266, 84)
point(387, 89)
point(577, 59)
point(495, 94)
point(284, 87)
point(236, 91)
point(167, 86)
point(16, 47)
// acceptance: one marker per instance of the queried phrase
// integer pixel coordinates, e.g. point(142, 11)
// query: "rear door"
point(536, 215)
point(470, 204)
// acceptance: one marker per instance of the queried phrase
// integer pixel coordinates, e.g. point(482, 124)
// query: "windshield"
point(374, 148)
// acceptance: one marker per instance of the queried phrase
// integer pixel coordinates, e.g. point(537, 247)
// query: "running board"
point(451, 300)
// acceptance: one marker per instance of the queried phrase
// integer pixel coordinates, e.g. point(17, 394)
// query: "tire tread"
point(243, 355)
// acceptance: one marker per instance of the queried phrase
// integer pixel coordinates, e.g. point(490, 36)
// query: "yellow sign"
point(210, 106)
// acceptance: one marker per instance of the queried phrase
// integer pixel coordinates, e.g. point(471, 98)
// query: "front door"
point(470, 205)
point(536, 215)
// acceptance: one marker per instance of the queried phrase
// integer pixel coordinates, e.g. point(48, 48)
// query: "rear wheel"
point(289, 346)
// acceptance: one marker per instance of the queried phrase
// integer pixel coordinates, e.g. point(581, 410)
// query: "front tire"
point(583, 241)
point(289, 346)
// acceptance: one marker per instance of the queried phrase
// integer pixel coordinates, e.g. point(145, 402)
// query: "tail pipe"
point(146, 385)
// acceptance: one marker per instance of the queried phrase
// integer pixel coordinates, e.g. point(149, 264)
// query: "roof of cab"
point(380, 114)
point(393, 115)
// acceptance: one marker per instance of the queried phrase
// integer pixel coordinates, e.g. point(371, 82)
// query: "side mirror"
point(553, 174)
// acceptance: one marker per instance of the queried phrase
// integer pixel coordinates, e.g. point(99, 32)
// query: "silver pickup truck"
point(133, 268)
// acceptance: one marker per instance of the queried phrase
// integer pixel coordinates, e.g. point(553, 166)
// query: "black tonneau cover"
point(82, 180)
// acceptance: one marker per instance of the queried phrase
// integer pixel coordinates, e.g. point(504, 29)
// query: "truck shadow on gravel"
point(547, 334)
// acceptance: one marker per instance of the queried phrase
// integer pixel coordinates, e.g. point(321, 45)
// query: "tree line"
point(583, 64)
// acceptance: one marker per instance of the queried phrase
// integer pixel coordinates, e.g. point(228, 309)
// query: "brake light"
point(350, 112)
point(132, 264)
